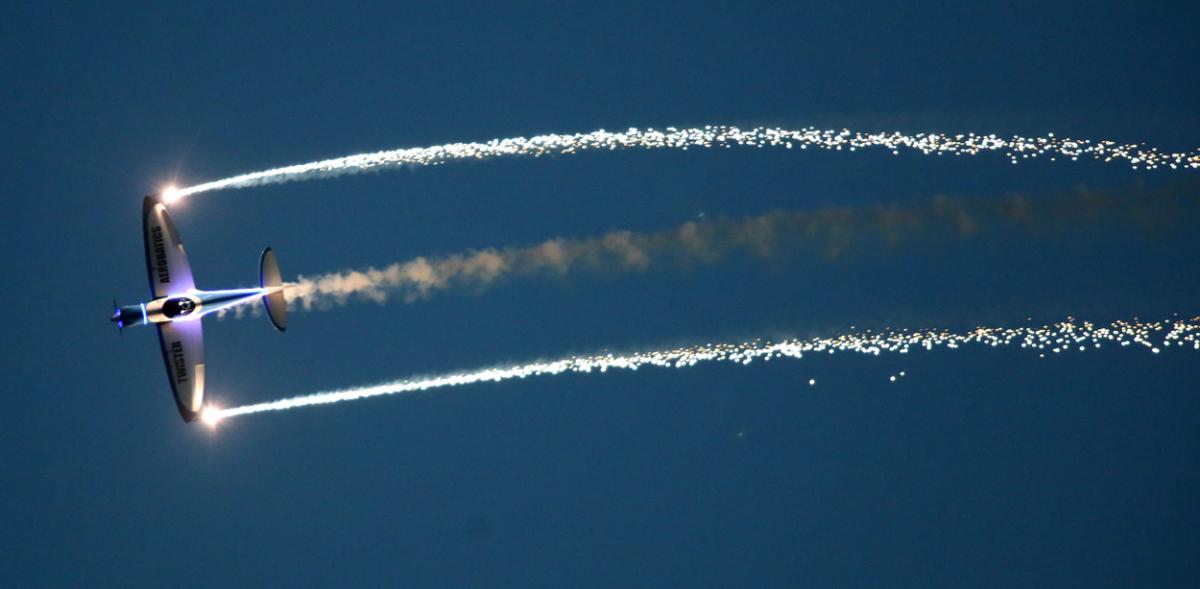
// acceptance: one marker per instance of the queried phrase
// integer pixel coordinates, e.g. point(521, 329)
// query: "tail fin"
point(269, 278)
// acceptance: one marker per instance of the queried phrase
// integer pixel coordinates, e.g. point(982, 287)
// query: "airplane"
point(177, 306)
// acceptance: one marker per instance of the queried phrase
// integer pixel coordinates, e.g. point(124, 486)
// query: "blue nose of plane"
point(118, 318)
point(128, 316)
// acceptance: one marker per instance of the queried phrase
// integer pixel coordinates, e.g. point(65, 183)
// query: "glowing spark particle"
point(211, 416)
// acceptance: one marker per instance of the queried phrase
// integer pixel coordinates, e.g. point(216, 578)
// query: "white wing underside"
point(167, 263)
point(170, 275)
point(183, 353)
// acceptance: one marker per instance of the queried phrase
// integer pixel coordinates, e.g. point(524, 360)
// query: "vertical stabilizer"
point(269, 278)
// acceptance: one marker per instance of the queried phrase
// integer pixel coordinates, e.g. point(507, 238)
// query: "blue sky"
point(983, 467)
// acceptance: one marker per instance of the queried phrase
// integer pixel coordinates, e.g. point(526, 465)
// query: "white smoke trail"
point(1060, 337)
point(1015, 148)
point(825, 233)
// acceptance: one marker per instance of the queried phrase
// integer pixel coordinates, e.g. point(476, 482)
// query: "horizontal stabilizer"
point(270, 279)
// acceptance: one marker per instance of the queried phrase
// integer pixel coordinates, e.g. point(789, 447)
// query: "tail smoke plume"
point(827, 234)
point(1015, 148)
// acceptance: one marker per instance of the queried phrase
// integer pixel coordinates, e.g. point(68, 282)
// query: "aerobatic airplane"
point(177, 305)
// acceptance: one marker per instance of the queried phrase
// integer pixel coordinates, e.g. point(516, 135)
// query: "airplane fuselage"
point(187, 306)
point(176, 305)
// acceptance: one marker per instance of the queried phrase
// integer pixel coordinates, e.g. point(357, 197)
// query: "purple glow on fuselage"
point(219, 300)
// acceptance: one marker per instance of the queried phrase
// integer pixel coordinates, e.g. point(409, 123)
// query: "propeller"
point(116, 317)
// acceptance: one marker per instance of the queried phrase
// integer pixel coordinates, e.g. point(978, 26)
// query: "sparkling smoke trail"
point(1015, 148)
point(1060, 337)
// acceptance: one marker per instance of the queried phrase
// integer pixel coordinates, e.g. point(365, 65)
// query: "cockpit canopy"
point(178, 307)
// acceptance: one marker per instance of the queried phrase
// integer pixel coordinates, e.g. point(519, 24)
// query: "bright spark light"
point(211, 415)
point(1016, 148)
point(171, 194)
point(1066, 336)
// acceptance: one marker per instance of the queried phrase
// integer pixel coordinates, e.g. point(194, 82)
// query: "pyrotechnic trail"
point(825, 234)
point(1015, 148)
point(1057, 338)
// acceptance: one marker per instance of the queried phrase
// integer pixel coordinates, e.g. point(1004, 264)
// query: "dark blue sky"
point(982, 467)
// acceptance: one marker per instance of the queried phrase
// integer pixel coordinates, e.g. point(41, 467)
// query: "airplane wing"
point(166, 262)
point(183, 353)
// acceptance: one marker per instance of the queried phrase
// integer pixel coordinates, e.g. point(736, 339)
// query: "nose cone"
point(127, 316)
